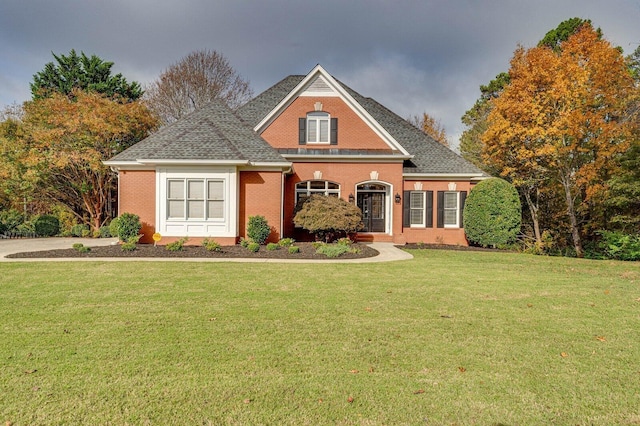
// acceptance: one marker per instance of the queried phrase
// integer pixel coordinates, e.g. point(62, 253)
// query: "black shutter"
point(334, 132)
point(440, 209)
point(429, 208)
point(302, 131)
point(406, 209)
point(463, 198)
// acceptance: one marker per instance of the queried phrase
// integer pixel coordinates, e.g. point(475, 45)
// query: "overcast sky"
point(411, 56)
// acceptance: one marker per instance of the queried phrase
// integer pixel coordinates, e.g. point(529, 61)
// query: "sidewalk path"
point(388, 252)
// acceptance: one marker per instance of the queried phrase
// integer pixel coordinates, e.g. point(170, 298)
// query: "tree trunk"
point(575, 233)
point(533, 210)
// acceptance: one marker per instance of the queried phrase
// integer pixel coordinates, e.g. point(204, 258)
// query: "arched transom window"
point(306, 189)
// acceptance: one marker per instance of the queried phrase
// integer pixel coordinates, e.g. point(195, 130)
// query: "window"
point(416, 205)
point(195, 199)
point(451, 209)
point(306, 189)
point(318, 127)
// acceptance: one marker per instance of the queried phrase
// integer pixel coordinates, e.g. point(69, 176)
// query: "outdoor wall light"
point(351, 198)
point(398, 198)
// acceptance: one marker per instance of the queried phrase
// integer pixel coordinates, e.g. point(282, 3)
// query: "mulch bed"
point(228, 252)
point(414, 246)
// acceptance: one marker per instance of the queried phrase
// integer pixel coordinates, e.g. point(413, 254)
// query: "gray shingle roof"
point(430, 157)
point(213, 132)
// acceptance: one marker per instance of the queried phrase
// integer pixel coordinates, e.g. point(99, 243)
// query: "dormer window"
point(318, 128)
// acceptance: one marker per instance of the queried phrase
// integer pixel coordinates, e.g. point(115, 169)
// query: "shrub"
point(345, 241)
point(286, 242)
point(328, 217)
point(273, 246)
point(333, 250)
point(105, 232)
point(211, 245)
point(177, 245)
point(258, 229)
point(78, 230)
point(620, 246)
point(86, 233)
point(492, 213)
point(127, 225)
point(3, 228)
point(131, 243)
point(113, 227)
point(253, 247)
point(11, 219)
point(81, 248)
point(244, 242)
point(47, 225)
point(294, 249)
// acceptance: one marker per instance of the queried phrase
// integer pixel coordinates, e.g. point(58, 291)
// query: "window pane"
point(175, 189)
point(450, 217)
point(312, 128)
point(216, 210)
point(301, 185)
point(450, 200)
point(416, 217)
point(176, 209)
point(324, 131)
point(417, 200)
point(332, 185)
point(216, 190)
point(317, 184)
point(195, 189)
point(196, 210)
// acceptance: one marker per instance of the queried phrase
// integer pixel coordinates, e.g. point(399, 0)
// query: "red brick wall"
point(348, 175)
point(137, 194)
point(435, 235)
point(353, 133)
point(261, 194)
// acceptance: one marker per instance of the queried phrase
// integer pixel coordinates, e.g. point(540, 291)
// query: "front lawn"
point(468, 338)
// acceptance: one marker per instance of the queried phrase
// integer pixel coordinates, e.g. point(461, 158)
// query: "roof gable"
point(320, 83)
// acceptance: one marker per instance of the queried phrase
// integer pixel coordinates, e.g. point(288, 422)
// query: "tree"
point(82, 72)
point(65, 140)
point(431, 127)
point(193, 81)
point(327, 217)
point(561, 118)
point(492, 213)
point(475, 119)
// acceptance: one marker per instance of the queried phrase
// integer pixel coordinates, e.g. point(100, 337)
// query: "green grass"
point(447, 338)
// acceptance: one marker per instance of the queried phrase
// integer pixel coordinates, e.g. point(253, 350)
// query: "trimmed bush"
point(47, 225)
point(272, 246)
point(333, 250)
point(254, 247)
point(328, 217)
point(492, 213)
point(244, 242)
point(286, 242)
point(176, 245)
point(127, 226)
point(294, 249)
point(211, 245)
point(104, 232)
point(131, 243)
point(258, 229)
point(81, 248)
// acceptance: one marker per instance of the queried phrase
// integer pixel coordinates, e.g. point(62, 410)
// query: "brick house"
point(206, 174)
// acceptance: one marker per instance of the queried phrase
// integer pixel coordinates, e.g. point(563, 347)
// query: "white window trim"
point(423, 209)
point(457, 209)
point(318, 117)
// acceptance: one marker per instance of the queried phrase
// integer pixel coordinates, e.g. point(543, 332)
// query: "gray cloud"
point(412, 56)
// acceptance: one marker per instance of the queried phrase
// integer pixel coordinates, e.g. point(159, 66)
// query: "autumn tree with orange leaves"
point(64, 141)
point(561, 121)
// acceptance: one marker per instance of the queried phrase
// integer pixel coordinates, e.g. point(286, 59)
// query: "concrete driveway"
point(20, 245)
